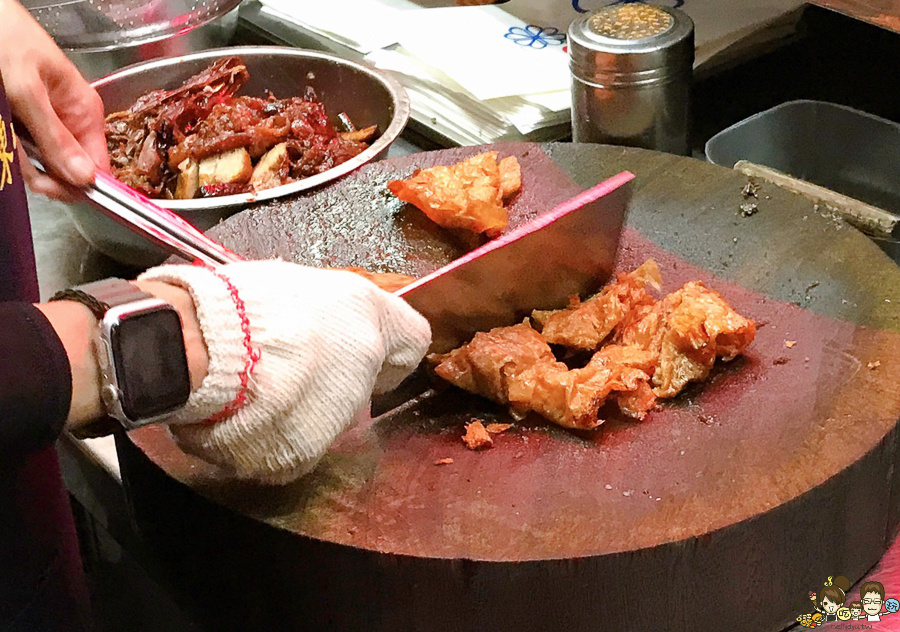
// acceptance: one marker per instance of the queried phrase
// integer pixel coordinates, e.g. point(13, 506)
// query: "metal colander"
point(107, 24)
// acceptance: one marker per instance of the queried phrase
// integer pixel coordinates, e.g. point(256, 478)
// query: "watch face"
point(150, 363)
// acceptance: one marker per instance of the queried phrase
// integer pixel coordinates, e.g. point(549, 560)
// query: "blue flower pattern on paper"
point(535, 36)
point(576, 4)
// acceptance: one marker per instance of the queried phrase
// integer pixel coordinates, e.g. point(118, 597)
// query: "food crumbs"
point(626, 494)
point(780, 360)
point(790, 343)
point(498, 428)
point(748, 209)
point(477, 437)
point(874, 365)
point(444, 461)
point(608, 486)
point(750, 189)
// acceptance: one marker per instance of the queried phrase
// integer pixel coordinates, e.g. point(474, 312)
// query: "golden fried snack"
point(485, 365)
point(650, 349)
point(699, 326)
point(387, 281)
point(585, 325)
point(477, 436)
point(510, 176)
point(637, 403)
point(467, 195)
point(571, 398)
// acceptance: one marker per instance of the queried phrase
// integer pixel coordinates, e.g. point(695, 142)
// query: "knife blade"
point(568, 250)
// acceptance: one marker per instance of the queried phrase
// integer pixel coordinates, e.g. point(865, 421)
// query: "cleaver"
point(539, 265)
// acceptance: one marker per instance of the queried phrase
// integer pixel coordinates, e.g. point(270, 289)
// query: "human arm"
point(48, 95)
point(49, 379)
point(77, 329)
point(323, 340)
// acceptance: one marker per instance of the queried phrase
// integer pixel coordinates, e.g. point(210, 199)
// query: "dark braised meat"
point(138, 138)
point(181, 143)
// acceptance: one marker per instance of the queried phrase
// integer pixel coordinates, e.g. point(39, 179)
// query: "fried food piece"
point(231, 167)
point(571, 398)
point(272, 169)
point(688, 330)
point(498, 428)
point(510, 176)
point(387, 281)
point(477, 436)
point(361, 135)
point(486, 365)
point(637, 403)
point(585, 325)
point(188, 180)
point(651, 349)
point(468, 195)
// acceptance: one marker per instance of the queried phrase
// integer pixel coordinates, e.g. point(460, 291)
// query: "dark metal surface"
point(717, 512)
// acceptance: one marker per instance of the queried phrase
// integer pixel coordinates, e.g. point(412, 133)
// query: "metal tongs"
point(136, 212)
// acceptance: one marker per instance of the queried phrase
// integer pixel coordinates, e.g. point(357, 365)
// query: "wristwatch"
point(140, 351)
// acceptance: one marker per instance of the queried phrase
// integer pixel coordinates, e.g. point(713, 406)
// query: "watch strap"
point(99, 296)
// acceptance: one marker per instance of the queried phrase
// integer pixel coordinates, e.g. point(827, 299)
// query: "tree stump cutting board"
point(718, 512)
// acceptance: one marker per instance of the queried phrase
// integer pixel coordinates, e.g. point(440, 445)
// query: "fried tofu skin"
point(645, 350)
point(585, 325)
point(468, 195)
point(699, 326)
point(387, 281)
point(572, 398)
point(485, 365)
point(477, 436)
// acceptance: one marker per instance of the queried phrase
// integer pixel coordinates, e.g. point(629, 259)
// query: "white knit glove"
point(325, 339)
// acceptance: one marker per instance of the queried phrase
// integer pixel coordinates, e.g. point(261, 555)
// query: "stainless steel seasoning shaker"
point(631, 68)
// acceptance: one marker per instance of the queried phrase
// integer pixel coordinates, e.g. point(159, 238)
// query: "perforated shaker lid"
point(107, 24)
point(631, 43)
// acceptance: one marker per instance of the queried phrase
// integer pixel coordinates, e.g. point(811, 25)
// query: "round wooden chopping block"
point(718, 512)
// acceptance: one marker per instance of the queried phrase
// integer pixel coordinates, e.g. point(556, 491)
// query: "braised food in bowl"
point(202, 140)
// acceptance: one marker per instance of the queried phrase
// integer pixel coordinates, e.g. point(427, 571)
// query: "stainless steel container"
point(367, 95)
point(631, 77)
point(101, 36)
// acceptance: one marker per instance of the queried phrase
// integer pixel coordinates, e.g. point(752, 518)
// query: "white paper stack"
point(479, 74)
point(466, 80)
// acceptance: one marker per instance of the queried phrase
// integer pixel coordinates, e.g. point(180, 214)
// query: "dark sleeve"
point(35, 380)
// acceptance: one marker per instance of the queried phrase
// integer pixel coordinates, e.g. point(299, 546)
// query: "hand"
point(61, 111)
point(325, 340)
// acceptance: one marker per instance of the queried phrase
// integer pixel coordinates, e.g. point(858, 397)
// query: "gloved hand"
point(324, 340)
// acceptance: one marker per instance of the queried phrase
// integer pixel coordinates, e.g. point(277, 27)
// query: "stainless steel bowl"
point(368, 96)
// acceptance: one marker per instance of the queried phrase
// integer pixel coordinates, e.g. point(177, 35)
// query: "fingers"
point(43, 184)
point(80, 110)
point(62, 153)
point(46, 93)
